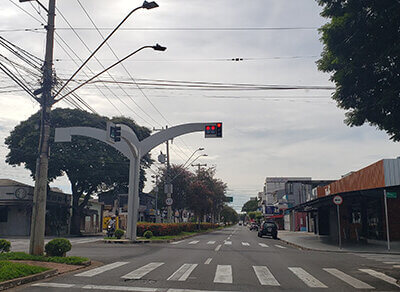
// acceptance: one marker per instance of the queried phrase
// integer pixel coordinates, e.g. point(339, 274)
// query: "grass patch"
point(9, 270)
point(29, 257)
point(172, 237)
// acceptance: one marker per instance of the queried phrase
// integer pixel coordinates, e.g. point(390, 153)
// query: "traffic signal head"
point(213, 130)
point(115, 133)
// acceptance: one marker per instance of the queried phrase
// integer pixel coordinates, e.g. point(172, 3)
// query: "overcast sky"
point(266, 132)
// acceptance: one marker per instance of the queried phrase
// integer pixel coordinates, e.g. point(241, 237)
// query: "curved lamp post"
point(156, 47)
point(146, 5)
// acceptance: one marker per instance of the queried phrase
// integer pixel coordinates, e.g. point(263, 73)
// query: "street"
point(232, 259)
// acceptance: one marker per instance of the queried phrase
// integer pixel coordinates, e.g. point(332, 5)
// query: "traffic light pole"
point(169, 188)
point(36, 245)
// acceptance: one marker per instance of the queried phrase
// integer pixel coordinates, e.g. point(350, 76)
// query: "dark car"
point(268, 229)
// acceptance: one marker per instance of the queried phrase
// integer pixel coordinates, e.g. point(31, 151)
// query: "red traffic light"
point(213, 128)
point(219, 125)
point(208, 128)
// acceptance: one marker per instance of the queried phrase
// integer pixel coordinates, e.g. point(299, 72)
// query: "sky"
point(267, 132)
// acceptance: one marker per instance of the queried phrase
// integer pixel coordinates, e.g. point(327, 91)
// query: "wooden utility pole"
point(38, 221)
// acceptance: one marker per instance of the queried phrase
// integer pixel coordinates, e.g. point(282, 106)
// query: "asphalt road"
point(233, 259)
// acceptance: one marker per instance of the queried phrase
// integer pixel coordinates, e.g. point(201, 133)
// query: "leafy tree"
point(181, 180)
point(362, 51)
point(250, 206)
point(91, 166)
point(228, 214)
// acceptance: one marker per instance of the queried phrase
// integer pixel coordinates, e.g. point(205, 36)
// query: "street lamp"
point(145, 5)
point(183, 167)
point(156, 47)
point(199, 149)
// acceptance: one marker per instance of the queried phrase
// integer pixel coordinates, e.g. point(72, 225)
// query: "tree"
point(250, 206)
point(91, 166)
point(229, 215)
point(362, 51)
point(181, 180)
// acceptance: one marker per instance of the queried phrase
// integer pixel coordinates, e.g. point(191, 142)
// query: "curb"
point(337, 251)
point(24, 280)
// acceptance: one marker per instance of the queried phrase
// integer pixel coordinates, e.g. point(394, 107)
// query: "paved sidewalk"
point(324, 243)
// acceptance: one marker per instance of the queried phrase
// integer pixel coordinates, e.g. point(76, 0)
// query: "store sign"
point(391, 195)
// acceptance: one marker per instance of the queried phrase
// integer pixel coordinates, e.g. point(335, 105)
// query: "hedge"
point(162, 229)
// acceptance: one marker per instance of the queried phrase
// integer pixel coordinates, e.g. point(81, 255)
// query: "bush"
point(58, 247)
point(163, 229)
point(148, 234)
point(4, 245)
point(119, 233)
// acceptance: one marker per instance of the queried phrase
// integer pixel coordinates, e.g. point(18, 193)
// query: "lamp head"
point(201, 149)
point(149, 5)
point(157, 47)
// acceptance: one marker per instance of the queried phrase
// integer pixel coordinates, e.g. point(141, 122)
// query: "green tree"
point(181, 180)
point(228, 214)
point(362, 51)
point(91, 166)
point(250, 206)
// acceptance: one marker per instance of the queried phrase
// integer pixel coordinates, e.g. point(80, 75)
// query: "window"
point(3, 214)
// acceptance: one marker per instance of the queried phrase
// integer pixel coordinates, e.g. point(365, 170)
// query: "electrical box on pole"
point(213, 130)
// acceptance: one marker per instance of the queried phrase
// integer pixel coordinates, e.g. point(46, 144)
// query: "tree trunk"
point(76, 217)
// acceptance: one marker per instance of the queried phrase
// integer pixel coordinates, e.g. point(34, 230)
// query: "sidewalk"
point(312, 241)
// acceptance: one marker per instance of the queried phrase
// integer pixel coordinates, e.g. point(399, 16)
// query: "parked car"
point(268, 229)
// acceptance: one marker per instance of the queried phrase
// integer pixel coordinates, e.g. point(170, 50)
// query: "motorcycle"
point(110, 230)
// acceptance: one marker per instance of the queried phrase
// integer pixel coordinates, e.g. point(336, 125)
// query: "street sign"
point(391, 195)
point(230, 199)
point(337, 200)
point(169, 201)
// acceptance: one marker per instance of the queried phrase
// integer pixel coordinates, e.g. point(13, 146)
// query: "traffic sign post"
point(385, 196)
point(338, 200)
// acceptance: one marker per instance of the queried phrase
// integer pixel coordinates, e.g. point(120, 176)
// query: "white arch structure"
point(134, 150)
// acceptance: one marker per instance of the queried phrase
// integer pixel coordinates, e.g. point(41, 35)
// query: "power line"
point(198, 28)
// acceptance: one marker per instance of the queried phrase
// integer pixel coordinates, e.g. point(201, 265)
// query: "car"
point(268, 229)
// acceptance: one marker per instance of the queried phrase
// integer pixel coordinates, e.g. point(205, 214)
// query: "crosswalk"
point(226, 242)
point(224, 274)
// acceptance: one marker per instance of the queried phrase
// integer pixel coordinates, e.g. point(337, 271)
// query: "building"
point(362, 213)
point(16, 200)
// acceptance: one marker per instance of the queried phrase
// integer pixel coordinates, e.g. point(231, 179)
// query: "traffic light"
point(213, 130)
point(115, 133)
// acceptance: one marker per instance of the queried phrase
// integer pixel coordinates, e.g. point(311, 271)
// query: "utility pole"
point(168, 186)
point(199, 165)
point(38, 221)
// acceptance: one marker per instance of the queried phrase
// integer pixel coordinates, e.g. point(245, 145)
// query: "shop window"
point(3, 214)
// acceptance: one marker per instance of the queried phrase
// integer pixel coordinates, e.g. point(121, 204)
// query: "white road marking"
point(280, 246)
point(120, 288)
point(208, 261)
point(211, 242)
point(190, 290)
point(307, 278)
point(177, 242)
point(101, 269)
point(54, 285)
point(391, 263)
point(139, 273)
point(396, 266)
point(223, 274)
point(194, 242)
point(265, 276)
point(228, 242)
point(245, 244)
point(182, 273)
point(381, 276)
point(218, 247)
point(348, 279)
point(263, 245)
